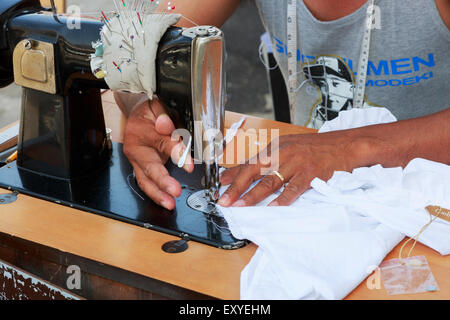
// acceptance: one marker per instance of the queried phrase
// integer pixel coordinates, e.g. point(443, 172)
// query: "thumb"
point(164, 125)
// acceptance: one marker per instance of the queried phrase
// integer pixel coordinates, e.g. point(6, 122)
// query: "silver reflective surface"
point(200, 201)
point(208, 98)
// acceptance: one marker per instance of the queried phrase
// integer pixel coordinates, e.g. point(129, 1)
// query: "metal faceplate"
point(208, 101)
point(208, 82)
point(34, 65)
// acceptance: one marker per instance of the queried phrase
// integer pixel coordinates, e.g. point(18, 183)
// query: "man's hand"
point(305, 157)
point(301, 158)
point(148, 144)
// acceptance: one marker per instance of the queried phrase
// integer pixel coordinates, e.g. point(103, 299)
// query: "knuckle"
point(231, 189)
point(141, 183)
point(148, 170)
point(149, 191)
point(160, 144)
point(268, 183)
point(132, 128)
point(282, 199)
point(292, 189)
point(127, 149)
point(290, 193)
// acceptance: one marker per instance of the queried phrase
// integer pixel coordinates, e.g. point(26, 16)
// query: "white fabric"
point(329, 240)
point(355, 118)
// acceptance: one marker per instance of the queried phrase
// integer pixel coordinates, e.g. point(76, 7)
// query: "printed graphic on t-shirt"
point(334, 78)
point(336, 83)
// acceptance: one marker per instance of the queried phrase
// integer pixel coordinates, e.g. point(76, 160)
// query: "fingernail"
point(273, 204)
point(171, 190)
point(239, 203)
point(167, 204)
point(223, 201)
point(188, 166)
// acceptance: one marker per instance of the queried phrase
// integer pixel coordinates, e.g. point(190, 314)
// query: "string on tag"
point(416, 237)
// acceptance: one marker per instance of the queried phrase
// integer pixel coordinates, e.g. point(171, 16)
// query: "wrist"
point(129, 102)
point(374, 145)
point(363, 151)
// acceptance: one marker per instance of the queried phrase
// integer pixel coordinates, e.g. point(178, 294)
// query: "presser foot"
point(201, 201)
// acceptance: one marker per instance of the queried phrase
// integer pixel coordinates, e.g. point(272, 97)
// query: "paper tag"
point(410, 275)
point(444, 213)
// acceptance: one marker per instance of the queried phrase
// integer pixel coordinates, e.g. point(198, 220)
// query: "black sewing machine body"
point(64, 151)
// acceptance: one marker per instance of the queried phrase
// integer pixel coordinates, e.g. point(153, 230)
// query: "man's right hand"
point(148, 144)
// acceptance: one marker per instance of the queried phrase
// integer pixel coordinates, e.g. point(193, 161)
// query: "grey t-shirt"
point(409, 63)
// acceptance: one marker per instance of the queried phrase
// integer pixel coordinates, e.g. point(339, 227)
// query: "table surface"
point(201, 268)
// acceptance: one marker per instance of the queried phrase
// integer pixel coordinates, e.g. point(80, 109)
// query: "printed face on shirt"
point(340, 92)
point(336, 84)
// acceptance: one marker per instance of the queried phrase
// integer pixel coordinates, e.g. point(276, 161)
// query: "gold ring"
point(279, 175)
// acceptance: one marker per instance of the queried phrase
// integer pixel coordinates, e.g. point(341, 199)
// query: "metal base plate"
point(200, 202)
point(114, 193)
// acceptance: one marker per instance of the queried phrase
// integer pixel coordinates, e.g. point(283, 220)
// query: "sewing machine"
point(65, 154)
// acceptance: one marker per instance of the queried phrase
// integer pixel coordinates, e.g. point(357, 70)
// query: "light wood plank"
point(11, 142)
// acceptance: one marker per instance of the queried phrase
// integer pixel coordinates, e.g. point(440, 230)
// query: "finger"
point(157, 107)
point(295, 188)
point(153, 168)
point(157, 173)
point(177, 153)
point(246, 176)
point(228, 175)
point(163, 144)
point(152, 190)
point(164, 125)
point(268, 185)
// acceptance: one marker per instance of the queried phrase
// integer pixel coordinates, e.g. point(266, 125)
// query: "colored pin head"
point(104, 16)
point(118, 68)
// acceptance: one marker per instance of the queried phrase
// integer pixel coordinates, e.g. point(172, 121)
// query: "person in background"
point(408, 73)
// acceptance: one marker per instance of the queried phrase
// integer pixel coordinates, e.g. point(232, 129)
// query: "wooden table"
point(119, 260)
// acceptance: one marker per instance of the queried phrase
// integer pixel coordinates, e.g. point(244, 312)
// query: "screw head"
point(28, 45)
point(202, 32)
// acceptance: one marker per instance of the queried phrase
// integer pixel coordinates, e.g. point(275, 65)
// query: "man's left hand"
point(301, 158)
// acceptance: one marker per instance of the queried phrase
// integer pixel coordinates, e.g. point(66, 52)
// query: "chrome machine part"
point(200, 201)
point(208, 102)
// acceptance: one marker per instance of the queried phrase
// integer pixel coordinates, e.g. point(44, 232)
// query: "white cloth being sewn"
point(328, 241)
